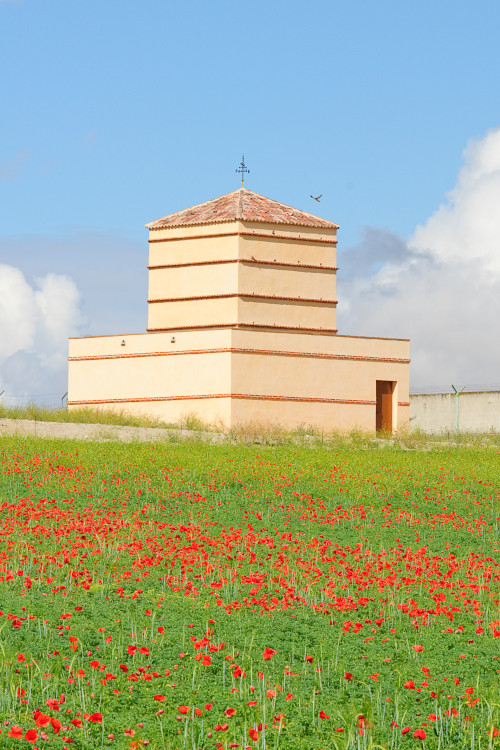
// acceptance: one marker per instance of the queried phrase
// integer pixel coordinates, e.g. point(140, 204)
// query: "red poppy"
point(42, 720)
point(253, 734)
point(183, 709)
point(419, 734)
point(322, 715)
point(159, 697)
point(405, 730)
point(31, 735)
point(96, 718)
point(15, 732)
point(230, 711)
point(348, 676)
point(268, 653)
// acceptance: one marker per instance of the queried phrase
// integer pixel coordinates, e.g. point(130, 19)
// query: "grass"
point(254, 432)
point(367, 570)
point(81, 416)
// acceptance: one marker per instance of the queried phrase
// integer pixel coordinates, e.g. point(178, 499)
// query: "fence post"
point(457, 407)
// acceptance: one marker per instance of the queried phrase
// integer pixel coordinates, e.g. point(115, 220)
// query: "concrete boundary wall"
point(436, 412)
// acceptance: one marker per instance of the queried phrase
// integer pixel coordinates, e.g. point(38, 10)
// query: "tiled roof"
point(244, 205)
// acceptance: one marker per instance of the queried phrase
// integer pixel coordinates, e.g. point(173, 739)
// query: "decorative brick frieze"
point(240, 350)
point(251, 396)
point(249, 295)
point(248, 261)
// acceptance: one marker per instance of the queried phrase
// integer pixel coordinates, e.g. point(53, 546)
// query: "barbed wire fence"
point(47, 400)
point(445, 389)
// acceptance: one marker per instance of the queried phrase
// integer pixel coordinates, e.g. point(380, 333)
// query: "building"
point(242, 327)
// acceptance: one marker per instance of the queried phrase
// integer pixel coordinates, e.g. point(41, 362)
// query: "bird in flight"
point(316, 197)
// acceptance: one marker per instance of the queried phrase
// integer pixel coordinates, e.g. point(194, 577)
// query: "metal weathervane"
point(242, 169)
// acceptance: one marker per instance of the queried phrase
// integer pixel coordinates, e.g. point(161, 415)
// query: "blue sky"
point(117, 113)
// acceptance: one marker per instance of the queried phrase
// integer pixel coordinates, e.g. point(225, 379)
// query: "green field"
point(200, 596)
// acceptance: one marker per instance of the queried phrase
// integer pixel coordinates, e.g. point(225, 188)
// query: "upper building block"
point(242, 260)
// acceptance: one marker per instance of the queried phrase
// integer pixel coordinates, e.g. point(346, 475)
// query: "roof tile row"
point(243, 205)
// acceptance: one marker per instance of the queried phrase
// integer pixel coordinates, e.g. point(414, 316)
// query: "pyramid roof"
point(243, 205)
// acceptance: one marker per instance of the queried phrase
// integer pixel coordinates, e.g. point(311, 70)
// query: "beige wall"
point(323, 371)
point(284, 281)
point(171, 315)
point(349, 346)
point(436, 412)
point(334, 368)
point(312, 377)
point(269, 312)
point(307, 251)
point(192, 281)
point(260, 248)
point(215, 411)
point(179, 249)
point(319, 416)
point(149, 378)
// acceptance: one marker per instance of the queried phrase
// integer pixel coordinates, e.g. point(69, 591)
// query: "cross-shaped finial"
point(242, 169)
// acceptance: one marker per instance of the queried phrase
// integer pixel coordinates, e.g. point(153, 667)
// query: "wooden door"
point(385, 391)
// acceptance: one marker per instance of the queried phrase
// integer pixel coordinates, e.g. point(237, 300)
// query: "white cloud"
point(35, 323)
point(441, 288)
point(467, 227)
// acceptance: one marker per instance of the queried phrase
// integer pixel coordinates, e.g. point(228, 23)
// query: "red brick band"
point(250, 261)
point(243, 294)
point(238, 350)
point(242, 234)
point(252, 396)
point(254, 326)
